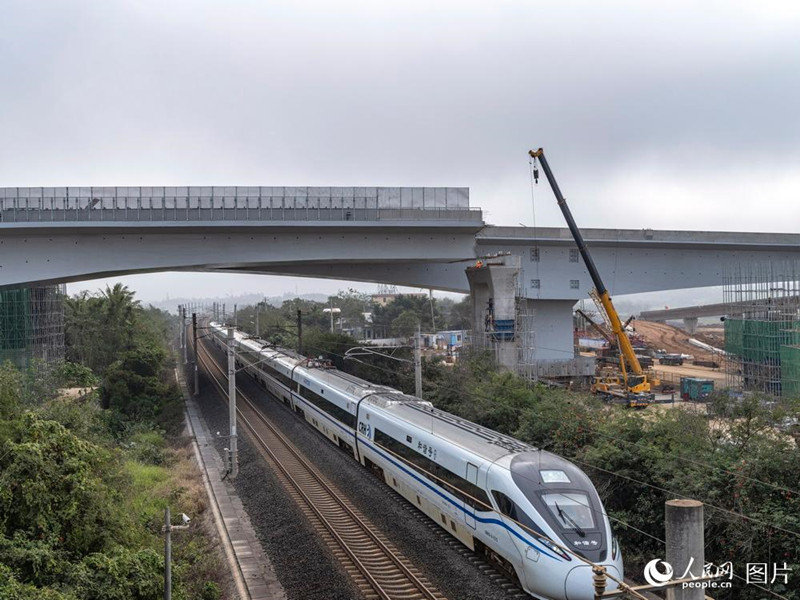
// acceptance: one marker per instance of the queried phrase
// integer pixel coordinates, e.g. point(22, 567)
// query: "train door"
point(472, 477)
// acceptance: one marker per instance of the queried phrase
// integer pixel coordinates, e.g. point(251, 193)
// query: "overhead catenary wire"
point(482, 397)
point(708, 466)
point(712, 506)
point(478, 396)
point(628, 525)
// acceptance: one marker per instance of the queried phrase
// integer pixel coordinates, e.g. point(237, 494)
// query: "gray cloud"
point(653, 115)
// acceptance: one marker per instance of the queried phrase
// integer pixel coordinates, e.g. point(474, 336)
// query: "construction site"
point(32, 326)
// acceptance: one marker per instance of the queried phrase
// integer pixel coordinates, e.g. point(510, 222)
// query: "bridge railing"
point(18, 205)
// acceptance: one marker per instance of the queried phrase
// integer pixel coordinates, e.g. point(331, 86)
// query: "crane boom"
point(636, 379)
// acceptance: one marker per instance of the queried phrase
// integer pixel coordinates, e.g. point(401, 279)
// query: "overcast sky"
point(679, 115)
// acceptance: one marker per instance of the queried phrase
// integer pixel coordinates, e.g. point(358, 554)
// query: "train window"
point(554, 476)
point(467, 492)
point(505, 504)
point(572, 510)
point(329, 407)
point(510, 509)
point(275, 374)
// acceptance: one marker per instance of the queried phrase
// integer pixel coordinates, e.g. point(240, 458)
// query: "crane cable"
point(534, 175)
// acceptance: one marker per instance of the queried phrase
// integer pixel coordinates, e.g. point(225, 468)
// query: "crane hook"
point(535, 173)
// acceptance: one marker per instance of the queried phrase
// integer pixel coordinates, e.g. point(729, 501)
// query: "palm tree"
point(119, 312)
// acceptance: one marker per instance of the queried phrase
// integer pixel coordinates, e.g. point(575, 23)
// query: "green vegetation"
point(84, 479)
point(398, 318)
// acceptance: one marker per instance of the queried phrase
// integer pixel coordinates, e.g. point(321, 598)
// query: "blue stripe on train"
point(422, 480)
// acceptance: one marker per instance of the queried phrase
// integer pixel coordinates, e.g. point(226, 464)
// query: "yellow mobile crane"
point(633, 386)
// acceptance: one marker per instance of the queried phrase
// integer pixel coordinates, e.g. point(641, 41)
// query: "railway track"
point(375, 566)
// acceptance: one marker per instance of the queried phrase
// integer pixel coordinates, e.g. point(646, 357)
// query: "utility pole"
point(433, 318)
point(299, 331)
point(417, 365)
point(234, 454)
point(167, 555)
point(180, 330)
point(223, 313)
point(167, 529)
point(257, 311)
point(685, 544)
point(194, 340)
point(185, 338)
point(235, 316)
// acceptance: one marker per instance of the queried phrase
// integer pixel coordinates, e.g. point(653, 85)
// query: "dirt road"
point(671, 339)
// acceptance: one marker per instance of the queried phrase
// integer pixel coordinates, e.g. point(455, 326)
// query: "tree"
point(98, 327)
point(418, 305)
point(137, 389)
point(405, 324)
point(10, 390)
point(52, 487)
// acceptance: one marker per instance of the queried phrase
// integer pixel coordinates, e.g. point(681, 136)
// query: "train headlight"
point(555, 549)
point(614, 548)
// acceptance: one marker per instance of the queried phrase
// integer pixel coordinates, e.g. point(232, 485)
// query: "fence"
point(19, 205)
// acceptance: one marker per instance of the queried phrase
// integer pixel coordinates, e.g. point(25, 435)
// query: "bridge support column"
point(690, 324)
point(552, 352)
point(493, 287)
point(531, 337)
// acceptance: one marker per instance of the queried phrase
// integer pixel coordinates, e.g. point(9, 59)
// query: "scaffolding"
point(32, 325)
point(762, 327)
point(526, 339)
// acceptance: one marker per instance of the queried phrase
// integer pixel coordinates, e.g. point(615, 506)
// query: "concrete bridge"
point(420, 237)
point(690, 314)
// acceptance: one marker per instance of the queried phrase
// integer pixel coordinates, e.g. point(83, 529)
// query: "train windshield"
point(571, 509)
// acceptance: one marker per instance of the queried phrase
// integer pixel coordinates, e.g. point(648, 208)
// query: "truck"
point(675, 360)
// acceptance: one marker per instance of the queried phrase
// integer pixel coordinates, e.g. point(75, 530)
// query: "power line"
point(628, 525)
point(709, 466)
point(712, 506)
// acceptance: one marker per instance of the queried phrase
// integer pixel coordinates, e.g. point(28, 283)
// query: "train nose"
point(579, 584)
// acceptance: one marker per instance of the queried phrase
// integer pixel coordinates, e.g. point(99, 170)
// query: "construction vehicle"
point(630, 385)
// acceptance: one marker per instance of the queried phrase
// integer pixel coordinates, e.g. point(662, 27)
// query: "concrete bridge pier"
point(493, 289)
point(690, 324)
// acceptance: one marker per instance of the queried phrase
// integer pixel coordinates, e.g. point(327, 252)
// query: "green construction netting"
point(734, 329)
point(790, 370)
point(15, 323)
point(760, 341)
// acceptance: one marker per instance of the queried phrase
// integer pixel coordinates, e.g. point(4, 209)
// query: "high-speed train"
point(531, 512)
